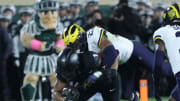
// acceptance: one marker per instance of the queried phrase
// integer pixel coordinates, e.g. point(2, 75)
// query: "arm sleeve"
point(109, 56)
point(158, 35)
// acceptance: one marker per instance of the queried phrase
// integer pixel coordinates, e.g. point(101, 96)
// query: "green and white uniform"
point(41, 63)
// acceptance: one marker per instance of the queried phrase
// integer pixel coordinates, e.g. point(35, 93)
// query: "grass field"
point(153, 99)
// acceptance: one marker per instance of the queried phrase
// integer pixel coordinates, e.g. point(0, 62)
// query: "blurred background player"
point(64, 14)
point(5, 51)
point(19, 51)
point(91, 5)
point(9, 10)
point(74, 9)
point(42, 38)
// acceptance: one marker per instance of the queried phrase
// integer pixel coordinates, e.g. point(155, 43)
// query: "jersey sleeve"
point(158, 35)
point(94, 38)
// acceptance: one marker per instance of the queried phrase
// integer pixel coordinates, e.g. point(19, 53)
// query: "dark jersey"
point(76, 66)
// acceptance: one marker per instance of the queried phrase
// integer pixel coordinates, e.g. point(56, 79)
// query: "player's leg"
point(86, 93)
point(143, 55)
point(178, 84)
point(112, 91)
point(174, 95)
point(127, 77)
point(146, 58)
point(28, 89)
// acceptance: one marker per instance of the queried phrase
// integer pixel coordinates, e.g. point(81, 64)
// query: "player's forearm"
point(109, 54)
point(57, 90)
point(58, 97)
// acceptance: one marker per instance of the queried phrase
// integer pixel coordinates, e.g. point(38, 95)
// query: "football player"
point(104, 43)
point(167, 39)
point(103, 79)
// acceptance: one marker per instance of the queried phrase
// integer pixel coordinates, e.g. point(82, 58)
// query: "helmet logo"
point(48, 19)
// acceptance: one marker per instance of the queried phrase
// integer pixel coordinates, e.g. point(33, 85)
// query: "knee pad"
point(28, 92)
point(175, 94)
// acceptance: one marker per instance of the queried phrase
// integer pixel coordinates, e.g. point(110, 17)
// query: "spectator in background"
point(25, 17)
point(143, 5)
point(95, 19)
point(11, 11)
point(5, 50)
point(19, 52)
point(147, 28)
point(75, 13)
point(91, 5)
point(158, 16)
point(121, 18)
point(63, 14)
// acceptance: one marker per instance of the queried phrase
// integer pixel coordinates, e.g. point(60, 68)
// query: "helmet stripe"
point(177, 13)
point(177, 7)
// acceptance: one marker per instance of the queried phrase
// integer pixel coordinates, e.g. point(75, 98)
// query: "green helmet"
point(46, 16)
point(44, 5)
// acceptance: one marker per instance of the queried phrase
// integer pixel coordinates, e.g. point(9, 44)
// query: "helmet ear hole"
point(73, 29)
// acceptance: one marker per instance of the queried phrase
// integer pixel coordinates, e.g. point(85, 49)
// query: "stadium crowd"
point(135, 20)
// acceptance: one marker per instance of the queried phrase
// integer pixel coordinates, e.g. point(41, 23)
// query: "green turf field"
point(152, 99)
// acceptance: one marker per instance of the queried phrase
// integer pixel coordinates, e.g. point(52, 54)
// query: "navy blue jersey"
point(76, 66)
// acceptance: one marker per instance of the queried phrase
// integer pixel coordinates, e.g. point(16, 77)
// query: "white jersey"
point(170, 35)
point(123, 45)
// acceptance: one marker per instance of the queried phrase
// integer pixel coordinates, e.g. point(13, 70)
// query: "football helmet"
point(72, 33)
point(26, 10)
point(8, 7)
point(44, 5)
point(46, 16)
point(172, 14)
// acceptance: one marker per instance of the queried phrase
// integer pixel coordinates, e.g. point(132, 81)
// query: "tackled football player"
point(79, 65)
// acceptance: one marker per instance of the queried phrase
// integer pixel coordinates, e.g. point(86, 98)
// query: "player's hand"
point(42, 46)
point(56, 96)
point(93, 78)
point(17, 62)
point(59, 48)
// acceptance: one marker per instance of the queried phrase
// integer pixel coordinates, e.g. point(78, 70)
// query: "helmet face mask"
point(72, 36)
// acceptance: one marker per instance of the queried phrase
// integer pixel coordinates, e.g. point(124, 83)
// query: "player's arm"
point(57, 90)
point(108, 57)
point(159, 52)
point(109, 54)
